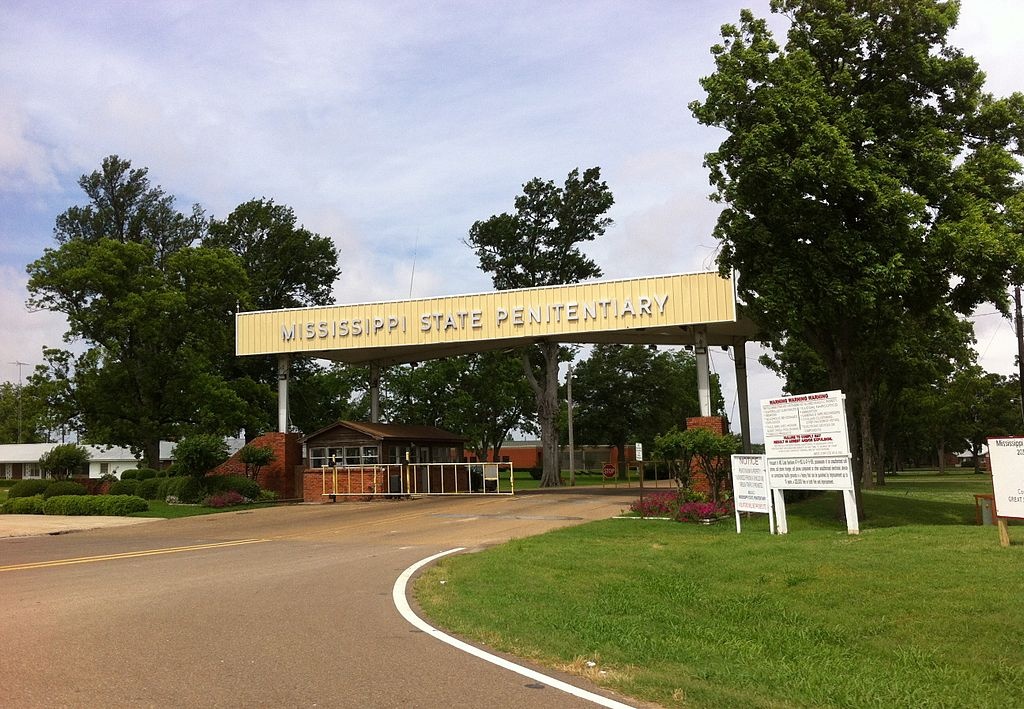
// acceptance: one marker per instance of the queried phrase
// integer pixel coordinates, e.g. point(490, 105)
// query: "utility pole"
point(20, 365)
point(1020, 347)
point(572, 457)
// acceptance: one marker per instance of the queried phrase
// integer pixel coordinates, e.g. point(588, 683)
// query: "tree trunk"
point(942, 458)
point(151, 454)
point(545, 393)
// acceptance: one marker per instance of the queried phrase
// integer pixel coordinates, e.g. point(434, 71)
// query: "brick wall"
point(715, 424)
point(280, 474)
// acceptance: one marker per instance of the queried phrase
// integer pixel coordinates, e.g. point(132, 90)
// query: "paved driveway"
point(279, 607)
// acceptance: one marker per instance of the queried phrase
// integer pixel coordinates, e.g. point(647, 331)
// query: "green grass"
point(922, 609)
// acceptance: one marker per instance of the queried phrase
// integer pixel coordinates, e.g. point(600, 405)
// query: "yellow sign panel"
point(554, 311)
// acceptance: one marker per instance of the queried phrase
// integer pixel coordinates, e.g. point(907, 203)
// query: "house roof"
point(32, 452)
point(394, 432)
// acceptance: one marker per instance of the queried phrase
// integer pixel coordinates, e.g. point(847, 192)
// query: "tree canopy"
point(153, 298)
point(865, 180)
point(538, 245)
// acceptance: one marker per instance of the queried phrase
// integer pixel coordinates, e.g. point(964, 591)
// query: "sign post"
point(1006, 459)
point(808, 448)
point(750, 491)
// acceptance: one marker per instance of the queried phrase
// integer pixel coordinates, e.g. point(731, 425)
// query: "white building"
point(21, 460)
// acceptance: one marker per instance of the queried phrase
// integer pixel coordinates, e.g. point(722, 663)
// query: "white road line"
point(399, 597)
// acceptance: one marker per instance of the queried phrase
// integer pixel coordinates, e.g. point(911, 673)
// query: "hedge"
point(24, 505)
point(149, 489)
point(28, 488)
point(64, 487)
point(245, 487)
point(110, 505)
point(124, 487)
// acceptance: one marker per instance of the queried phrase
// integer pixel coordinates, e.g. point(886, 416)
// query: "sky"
point(390, 127)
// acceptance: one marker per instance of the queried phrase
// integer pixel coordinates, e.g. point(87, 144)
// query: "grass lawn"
point(159, 508)
point(922, 609)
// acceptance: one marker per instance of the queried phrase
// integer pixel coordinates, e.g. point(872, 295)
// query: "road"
point(277, 607)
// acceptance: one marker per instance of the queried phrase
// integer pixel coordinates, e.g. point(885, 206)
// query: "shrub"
point(199, 454)
point(130, 474)
point(64, 460)
point(28, 488)
point(658, 504)
point(267, 496)
point(149, 489)
point(113, 505)
point(184, 489)
point(697, 511)
point(26, 505)
point(145, 474)
point(124, 487)
point(64, 487)
point(71, 505)
point(536, 473)
point(224, 499)
point(232, 483)
point(255, 457)
point(121, 505)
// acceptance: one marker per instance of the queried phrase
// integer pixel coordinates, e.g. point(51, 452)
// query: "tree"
point(481, 396)
point(21, 415)
point(864, 179)
point(255, 458)
point(63, 461)
point(198, 454)
point(290, 267)
point(324, 395)
point(625, 393)
point(155, 313)
point(538, 246)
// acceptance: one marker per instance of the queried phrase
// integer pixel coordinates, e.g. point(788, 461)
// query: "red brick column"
point(715, 424)
point(279, 475)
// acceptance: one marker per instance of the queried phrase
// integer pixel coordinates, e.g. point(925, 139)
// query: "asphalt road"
point(279, 607)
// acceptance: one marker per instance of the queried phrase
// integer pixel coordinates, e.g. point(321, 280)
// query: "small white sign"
point(1006, 457)
point(805, 425)
point(819, 473)
point(750, 491)
point(640, 452)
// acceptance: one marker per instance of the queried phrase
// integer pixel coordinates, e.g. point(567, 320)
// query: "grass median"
point(921, 609)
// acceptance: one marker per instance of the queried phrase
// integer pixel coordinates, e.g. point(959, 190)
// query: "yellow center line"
point(127, 555)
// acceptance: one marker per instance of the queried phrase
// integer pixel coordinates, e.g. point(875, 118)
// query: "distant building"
point(21, 460)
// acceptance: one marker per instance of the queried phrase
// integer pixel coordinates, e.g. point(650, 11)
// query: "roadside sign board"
point(640, 452)
point(807, 446)
point(805, 425)
point(818, 473)
point(608, 471)
point(1006, 457)
point(750, 491)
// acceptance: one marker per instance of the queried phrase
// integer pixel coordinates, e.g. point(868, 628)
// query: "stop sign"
point(608, 471)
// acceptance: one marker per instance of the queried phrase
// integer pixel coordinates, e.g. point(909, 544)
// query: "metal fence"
point(397, 480)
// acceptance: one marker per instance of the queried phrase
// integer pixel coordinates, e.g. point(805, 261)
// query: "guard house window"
point(350, 455)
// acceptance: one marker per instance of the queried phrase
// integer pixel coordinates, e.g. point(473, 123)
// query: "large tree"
point(288, 266)
point(538, 245)
point(864, 178)
point(153, 311)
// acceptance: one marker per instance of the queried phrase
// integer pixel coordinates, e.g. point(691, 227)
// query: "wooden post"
point(1004, 532)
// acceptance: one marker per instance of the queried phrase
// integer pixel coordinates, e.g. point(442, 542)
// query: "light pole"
point(572, 456)
point(19, 364)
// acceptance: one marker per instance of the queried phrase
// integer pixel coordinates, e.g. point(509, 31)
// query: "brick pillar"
point(715, 424)
point(279, 475)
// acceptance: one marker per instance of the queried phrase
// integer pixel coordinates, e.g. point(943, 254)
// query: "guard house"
point(350, 458)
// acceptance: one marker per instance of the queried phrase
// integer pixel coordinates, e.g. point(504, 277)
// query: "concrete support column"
point(283, 366)
point(703, 371)
point(740, 353)
point(374, 392)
